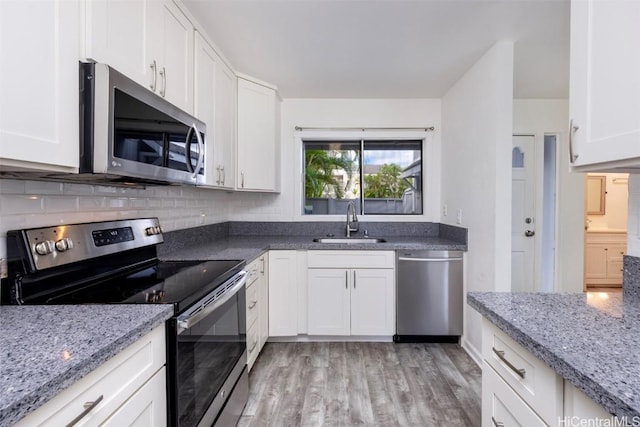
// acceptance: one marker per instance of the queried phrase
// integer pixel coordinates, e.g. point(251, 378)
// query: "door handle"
point(572, 130)
point(529, 233)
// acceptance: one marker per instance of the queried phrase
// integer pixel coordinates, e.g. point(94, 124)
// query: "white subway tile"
point(153, 203)
point(102, 189)
point(78, 189)
point(13, 204)
point(138, 203)
point(61, 204)
point(11, 186)
point(117, 202)
point(41, 187)
point(92, 203)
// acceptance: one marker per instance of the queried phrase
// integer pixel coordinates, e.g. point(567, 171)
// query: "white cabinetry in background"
point(258, 152)
point(351, 293)
point(215, 104)
point(605, 84)
point(126, 390)
point(39, 49)
point(603, 258)
point(150, 41)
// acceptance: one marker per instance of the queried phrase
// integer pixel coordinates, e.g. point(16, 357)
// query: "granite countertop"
point(592, 340)
point(45, 349)
point(250, 247)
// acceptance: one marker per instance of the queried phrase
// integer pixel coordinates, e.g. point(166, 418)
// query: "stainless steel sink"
point(347, 240)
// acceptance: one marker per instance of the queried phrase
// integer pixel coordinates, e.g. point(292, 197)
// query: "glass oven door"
point(207, 354)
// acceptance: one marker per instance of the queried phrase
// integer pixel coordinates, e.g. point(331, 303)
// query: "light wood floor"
point(370, 384)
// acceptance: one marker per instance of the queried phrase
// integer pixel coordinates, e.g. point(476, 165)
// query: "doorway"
point(605, 238)
point(534, 212)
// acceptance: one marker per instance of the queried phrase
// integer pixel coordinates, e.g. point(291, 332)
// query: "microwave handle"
point(200, 152)
point(187, 150)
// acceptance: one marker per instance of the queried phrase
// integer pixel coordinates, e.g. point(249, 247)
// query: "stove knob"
point(44, 248)
point(150, 231)
point(65, 244)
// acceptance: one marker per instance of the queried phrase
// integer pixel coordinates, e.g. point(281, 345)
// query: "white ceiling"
point(387, 48)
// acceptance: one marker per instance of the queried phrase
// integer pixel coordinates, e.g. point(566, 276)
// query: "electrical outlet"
point(459, 217)
point(445, 211)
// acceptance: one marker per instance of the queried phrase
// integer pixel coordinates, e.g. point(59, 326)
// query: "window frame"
point(430, 171)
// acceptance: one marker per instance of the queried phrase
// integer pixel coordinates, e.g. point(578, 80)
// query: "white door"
point(329, 301)
point(373, 302)
point(522, 210)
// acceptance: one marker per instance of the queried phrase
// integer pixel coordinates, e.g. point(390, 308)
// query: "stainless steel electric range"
point(116, 263)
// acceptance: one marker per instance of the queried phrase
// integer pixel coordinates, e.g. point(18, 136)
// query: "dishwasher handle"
point(430, 259)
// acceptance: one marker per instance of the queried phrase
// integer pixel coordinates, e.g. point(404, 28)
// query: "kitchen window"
point(382, 177)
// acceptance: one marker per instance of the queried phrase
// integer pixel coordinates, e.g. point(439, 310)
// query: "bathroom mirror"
point(596, 191)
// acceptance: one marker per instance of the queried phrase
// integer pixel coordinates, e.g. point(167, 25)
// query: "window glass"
point(392, 176)
point(381, 177)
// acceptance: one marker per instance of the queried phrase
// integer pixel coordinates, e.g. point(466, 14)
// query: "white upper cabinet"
point(215, 104)
point(605, 84)
point(39, 49)
point(258, 142)
point(149, 41)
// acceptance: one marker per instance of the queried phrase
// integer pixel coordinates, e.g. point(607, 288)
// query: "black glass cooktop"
point(181, 283)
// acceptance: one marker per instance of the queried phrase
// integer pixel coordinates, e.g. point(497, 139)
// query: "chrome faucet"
point(353, 224)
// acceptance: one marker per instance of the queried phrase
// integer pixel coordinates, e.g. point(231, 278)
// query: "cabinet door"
point(173, 46)
point(115, 35)
point(39, 47)
point(329, 301)
point(501, 406)
point(256, 137)
point(147, 407)
point(615, 253)
point(605, 81)
point(263, 296)
point(373, 302)
point(595, 260)
point(283, 294)
point(225, 124)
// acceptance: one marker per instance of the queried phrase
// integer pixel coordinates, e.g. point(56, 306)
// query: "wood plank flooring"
point(368, 384)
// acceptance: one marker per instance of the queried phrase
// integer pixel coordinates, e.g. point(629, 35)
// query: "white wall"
point(332, 113)
point(477, 116)
point(537, 117)
point(633, 218)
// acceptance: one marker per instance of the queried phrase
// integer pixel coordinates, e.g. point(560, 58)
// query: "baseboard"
point(331, 338)
point(473, 352)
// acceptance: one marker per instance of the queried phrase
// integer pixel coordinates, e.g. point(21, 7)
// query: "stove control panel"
point(65, 244)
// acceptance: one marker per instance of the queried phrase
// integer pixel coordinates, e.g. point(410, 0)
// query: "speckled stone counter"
point(591, 340)
point(247, 240)
point(250, 247)
point(45, 349)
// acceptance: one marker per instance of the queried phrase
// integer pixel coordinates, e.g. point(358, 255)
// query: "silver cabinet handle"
point(224, 175)
point(572, 130)
point(163, 74)
point(253, 346)
point(253, 304)
point(241, 179)
point(155, 75)
point(88, 407)
point(346, 279)
point(519, 371)
point(218, 181)
point(354, 279)
point(497, 423)
point(262, 266)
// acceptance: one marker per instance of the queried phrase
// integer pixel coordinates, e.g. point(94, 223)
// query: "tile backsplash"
point(28, 204)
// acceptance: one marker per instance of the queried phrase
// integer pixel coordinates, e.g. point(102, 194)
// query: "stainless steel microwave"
point(130, 135)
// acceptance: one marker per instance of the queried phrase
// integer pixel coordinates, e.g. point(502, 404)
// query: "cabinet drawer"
point(252, 271)
point(115, 380)
point(501, 406)
point(252, 304)
point(252, 345)
point(351, 259)
point(539, 386)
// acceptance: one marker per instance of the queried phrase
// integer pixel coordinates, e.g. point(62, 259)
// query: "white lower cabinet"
point(518, 389)
point(501, 406)
point(351, 301)
point(283, 292)
point(257, 308)
point(127, 390)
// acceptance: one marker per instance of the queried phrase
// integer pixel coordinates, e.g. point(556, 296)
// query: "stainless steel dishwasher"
point(429, 296)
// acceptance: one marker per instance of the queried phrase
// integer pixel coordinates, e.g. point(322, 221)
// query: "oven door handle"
point(192, 317)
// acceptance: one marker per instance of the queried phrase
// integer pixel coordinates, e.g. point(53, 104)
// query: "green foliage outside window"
point(320, 166)
point(386, 184)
